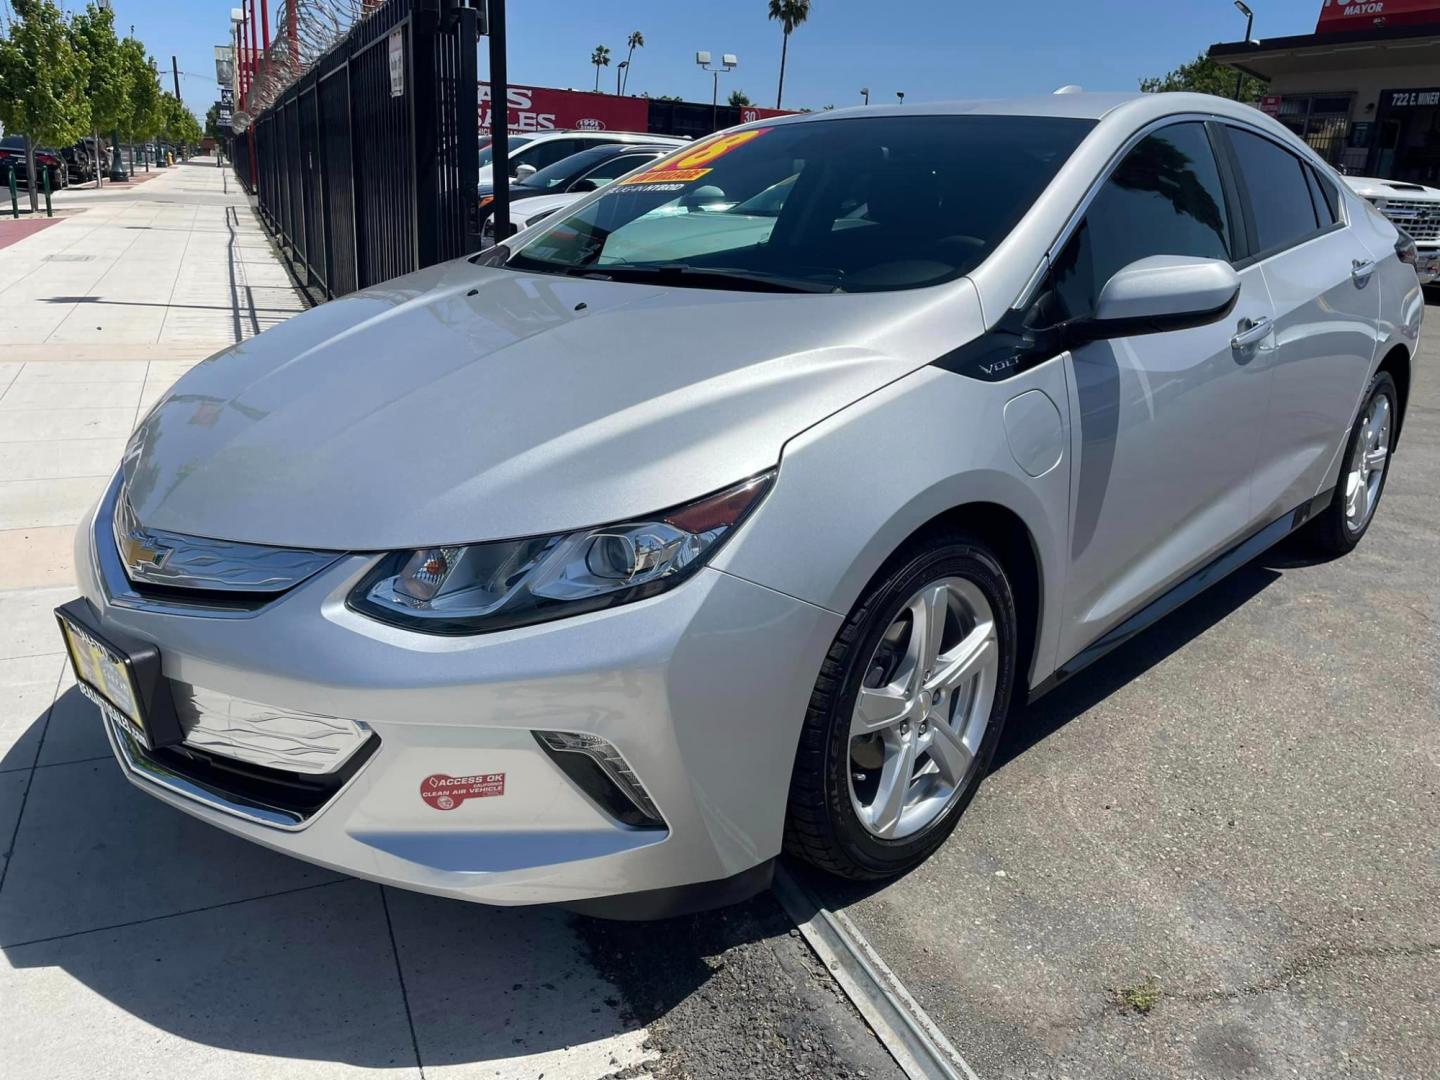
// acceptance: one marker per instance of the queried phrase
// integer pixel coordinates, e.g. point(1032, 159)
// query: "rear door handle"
point(1361, 269)
point(1251, 331)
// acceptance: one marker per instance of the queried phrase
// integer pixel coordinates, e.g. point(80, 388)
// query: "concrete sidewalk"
point(137, 941)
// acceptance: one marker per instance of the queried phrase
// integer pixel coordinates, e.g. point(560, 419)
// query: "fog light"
point(603, 774)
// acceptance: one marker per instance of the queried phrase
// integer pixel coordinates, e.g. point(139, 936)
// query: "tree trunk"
point(784, 48)
point(30, 175)
point(597, 78)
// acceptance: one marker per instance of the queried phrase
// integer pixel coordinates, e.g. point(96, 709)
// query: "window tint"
point(1279, 193)
point(856, 204)
point(619, 166)
point(1164, 198)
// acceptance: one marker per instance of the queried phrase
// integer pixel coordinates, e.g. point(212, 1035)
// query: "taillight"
point(1406, 249)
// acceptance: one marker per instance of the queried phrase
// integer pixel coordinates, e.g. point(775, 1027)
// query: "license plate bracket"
point(111, 664)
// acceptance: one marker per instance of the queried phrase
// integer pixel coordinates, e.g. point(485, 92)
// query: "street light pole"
point(728, 62)
point(620, 67)
point(865, 92)
point(1249, 22)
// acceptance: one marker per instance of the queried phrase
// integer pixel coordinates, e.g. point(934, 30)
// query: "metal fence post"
point(14, 195)
point(46, 178)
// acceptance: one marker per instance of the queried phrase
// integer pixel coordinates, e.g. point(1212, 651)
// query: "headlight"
point(477, 588)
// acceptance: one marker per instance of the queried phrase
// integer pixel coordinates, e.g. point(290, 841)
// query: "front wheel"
point(906, 713)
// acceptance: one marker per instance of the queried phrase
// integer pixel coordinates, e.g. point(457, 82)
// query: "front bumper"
point(702, 690)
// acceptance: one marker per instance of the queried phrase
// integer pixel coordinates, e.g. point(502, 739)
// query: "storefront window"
point(1322, 120)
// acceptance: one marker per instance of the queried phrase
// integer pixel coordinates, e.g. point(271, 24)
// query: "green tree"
point(636, 40)
point(108, 83)
point(739, 99)
point(212, 122)
point(600, 57)
point(146, 116)
point(790, 13)
point(181, 128)
point(1204, 76)
point(42, 81)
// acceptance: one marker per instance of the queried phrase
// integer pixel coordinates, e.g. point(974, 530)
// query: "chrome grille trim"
point(263, 735)
point(174, 560)
point(1418, 217)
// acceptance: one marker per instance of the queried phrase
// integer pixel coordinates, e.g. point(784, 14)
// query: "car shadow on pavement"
point(115, 905)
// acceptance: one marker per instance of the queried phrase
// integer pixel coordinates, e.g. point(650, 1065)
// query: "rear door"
point(1327, 311)
point(1168, 423)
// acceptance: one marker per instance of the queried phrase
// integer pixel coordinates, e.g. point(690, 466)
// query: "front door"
point(1168, 423)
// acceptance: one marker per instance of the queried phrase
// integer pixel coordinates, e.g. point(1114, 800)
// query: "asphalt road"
point(1214, 854)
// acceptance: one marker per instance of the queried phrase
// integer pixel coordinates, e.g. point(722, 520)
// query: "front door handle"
point(1251, 331)
point(1361, 269)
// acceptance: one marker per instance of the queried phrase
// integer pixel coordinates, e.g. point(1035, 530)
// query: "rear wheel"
point(906, 713)
point(1338, 528)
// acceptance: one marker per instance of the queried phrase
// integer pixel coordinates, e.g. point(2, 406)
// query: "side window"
point(1164, 198)
point(1279, 193)
point(1327, 199)
point(548, 153)
point(617, 166)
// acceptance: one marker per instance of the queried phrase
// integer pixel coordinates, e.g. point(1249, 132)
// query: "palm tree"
point(739, 99)
point(790, 13)
point(636, 41)
point(600, 58)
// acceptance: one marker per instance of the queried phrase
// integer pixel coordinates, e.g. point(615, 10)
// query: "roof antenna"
point(1070, 88)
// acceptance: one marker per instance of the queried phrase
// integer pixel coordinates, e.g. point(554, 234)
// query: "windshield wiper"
point(720, 277)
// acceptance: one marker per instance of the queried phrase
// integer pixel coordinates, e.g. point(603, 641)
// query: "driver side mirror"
point(524, 172)
point(1160, 293)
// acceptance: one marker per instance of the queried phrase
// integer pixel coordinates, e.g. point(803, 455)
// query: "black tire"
point(821, 825)
point(1329, 532)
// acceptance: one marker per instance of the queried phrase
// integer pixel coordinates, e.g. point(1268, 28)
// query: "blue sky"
point(931, 50)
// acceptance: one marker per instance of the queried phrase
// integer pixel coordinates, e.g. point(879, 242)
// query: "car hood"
point(524, 209)
point(1374, 187)
point(463, 403)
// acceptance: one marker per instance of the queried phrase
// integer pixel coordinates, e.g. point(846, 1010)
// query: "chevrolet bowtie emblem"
point(140, 549)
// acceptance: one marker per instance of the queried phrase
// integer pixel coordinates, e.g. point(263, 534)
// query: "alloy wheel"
point(1367, 464)
point(922, 709)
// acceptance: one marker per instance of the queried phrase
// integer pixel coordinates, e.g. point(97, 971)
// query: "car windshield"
point(567, 169)
point(853, 204)
point(513, 143)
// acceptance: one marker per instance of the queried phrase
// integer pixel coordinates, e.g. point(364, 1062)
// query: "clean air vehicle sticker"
point(447, 792)
point(688, 168)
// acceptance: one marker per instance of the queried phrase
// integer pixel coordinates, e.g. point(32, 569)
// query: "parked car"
point(635, 549)
point(12, 155)
point(574, 176)
point(531, 153)
point(1413, 208)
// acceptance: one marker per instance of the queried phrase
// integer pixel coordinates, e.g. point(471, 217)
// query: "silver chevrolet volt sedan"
point(732, 510)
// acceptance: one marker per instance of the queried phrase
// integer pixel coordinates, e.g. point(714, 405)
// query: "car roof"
point(1078, 105)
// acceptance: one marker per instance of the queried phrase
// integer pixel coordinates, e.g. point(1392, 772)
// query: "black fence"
point(362, 172)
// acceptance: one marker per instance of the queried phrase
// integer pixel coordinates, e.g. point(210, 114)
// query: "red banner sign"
point(541, 108)
point(1341, 15)
point(538, 108)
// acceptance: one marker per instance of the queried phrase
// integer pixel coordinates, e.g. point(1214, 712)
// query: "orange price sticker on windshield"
point(694, 163)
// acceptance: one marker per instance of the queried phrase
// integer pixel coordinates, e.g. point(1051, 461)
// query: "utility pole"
point(499, 122)
point(175, 71)
point(1249, 22)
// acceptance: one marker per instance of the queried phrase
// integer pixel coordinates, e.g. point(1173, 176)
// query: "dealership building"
point(1363, 89)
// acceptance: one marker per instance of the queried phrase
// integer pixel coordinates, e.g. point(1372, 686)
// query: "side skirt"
point(1225, 564)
